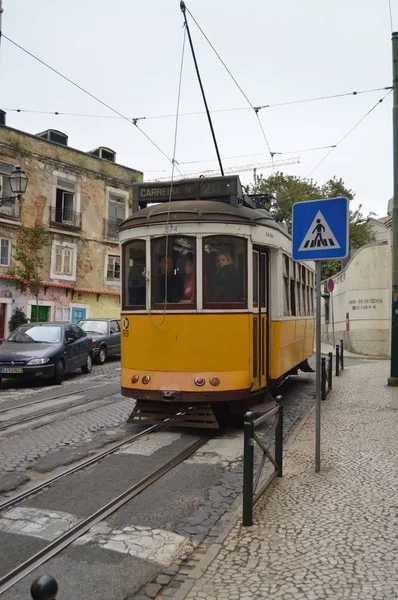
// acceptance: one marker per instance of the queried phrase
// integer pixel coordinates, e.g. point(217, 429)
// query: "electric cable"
point(196, 113)
point(348, 132)
point(131, 121)
point(238, 86)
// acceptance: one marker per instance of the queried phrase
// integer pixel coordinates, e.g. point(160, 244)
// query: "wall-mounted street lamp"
point(18, 182)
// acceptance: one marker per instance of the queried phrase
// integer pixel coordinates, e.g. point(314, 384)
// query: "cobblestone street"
point(327, 535)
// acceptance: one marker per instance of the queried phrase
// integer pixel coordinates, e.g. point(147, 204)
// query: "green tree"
point(18, 318)
point(284, 190)
point(29, 260)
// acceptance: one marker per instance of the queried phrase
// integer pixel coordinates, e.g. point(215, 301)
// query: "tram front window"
point(224, 270)
point(134, 272)
point(173, 272)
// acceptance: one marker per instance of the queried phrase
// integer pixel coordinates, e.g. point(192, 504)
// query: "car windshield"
point(94, 326)
point(36, 333)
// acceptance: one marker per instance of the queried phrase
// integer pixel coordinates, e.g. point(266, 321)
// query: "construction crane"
point(232, 170)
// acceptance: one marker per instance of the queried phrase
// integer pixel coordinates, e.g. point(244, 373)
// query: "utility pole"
point(393, 379)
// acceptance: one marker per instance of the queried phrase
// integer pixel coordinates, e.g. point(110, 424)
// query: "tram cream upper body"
point(278, 241)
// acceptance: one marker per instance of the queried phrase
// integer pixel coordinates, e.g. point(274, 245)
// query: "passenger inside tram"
point(137, 284)
point(188, 293)
point(166, 274)
point(224, 286)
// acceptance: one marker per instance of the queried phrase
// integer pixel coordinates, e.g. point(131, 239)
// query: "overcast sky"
point(128, 52)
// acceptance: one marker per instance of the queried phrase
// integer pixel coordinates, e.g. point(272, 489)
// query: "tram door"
point(260, 324)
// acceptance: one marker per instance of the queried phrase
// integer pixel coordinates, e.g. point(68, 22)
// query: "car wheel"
point(88, 366)
point(101, 358)
point(59, 372)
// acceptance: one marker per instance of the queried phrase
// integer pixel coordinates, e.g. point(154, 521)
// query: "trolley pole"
point(393, 379)
point(318, 367)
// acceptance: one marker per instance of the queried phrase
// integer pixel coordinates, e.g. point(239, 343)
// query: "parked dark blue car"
point(46, 350)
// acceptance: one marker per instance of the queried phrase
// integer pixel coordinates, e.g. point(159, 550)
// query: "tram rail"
point(55, 547)
point(54, 411)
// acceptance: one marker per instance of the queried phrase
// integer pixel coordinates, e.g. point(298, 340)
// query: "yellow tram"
point(214, 310)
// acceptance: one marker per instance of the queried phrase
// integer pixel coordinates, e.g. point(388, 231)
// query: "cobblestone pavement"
point(319, 535)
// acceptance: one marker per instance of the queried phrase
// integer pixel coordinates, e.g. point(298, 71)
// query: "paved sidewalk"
point(332, 534)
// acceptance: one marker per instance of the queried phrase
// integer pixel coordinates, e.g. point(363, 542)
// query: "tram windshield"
point(224, 271)
point(173, 271)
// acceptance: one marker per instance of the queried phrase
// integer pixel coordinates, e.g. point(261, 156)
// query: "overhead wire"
point(349, 132)
point(131, 121)
point(173, 166)
point(197, 113)
point(238, 86)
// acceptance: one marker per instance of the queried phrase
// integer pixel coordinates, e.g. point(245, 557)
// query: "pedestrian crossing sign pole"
point(320, 231)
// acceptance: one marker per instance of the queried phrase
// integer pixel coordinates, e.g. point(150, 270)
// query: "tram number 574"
point(171, 229)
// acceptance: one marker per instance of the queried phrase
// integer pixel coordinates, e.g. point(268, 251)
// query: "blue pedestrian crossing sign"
point(320, 229)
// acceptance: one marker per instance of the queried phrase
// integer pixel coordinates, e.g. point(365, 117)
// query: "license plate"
point(11, 370)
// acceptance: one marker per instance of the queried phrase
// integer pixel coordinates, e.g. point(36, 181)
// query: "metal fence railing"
point(251, 488)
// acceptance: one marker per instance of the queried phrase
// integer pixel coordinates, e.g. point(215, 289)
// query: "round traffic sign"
point(330, 285)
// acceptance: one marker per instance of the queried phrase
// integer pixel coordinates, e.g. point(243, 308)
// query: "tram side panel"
point(184, 347)
point(292, 343)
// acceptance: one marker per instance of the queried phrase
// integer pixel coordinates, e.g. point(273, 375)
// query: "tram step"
point(175, 415)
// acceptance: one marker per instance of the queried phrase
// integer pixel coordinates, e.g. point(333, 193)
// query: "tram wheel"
point(224, 416)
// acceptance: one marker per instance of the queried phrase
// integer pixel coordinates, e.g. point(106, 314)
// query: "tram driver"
point(225, 285)
point(167, 274)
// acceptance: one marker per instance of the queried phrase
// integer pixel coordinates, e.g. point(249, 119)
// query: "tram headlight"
point(214, 381)
point(200, 381)
point(135, 378)
point(146, 379)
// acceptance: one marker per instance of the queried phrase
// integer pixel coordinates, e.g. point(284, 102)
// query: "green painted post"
point(393, 379)
point(44, 588)
point(248, 465)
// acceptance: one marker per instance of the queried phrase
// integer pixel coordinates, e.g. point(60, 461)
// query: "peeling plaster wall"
point(105, 306)
point(43, 161)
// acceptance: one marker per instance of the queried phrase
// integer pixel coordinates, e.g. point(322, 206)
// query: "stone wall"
point(362, 303)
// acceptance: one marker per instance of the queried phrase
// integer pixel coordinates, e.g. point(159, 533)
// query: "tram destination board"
point(222, 189)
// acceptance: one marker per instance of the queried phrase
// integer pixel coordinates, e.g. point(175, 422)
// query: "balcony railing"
point(111, 229)
point(11, 211)
point(63, 218)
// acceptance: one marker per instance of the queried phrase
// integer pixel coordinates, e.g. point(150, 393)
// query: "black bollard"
point(44, 588)
point(330, 369)
point(279, 437)
point(323, 378)
point(248, 460)
point(337, 360)
point(342, 354)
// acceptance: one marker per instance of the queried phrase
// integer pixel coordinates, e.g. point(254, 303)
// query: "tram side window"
point(174, 272)
point(134, 271)
point(225, 271)
point(286, 304)
point(292, 289)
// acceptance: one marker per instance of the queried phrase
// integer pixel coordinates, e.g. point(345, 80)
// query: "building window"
point(116, 212)
point(5, 252)
point(63, 261)
point(62, 313)
point(65, 201)
point(113, 268)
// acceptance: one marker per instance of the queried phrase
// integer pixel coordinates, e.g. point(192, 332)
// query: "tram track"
point(64, 540)
point(54, 411)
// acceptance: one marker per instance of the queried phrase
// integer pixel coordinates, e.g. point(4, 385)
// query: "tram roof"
point(203, 211)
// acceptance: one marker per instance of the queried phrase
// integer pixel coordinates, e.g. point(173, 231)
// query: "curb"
point(214, 548)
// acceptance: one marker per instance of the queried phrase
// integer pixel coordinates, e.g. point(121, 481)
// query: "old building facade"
point(80, 198)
